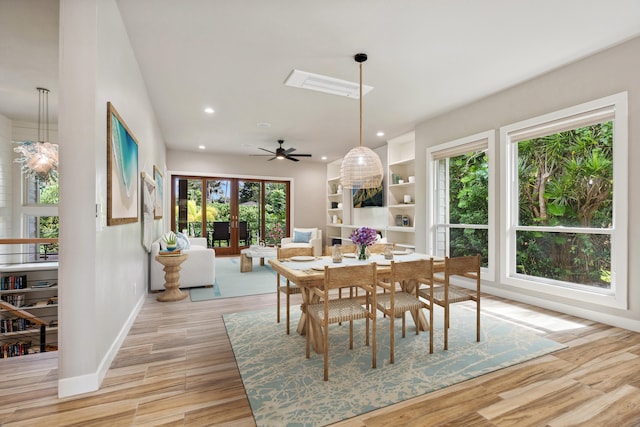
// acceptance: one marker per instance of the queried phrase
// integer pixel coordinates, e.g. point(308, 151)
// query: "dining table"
point(308, 272)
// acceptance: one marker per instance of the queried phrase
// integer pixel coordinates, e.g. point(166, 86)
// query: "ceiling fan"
point(281, 153)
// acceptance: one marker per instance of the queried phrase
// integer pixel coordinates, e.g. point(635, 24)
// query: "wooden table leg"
point(246, 263)
point(410, 288)
point(315, 332)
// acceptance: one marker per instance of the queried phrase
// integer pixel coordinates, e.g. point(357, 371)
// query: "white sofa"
point(315, 240)
point(197, 270)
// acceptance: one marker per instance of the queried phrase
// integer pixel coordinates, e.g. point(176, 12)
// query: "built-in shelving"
point(30, 296)
point(396, 220)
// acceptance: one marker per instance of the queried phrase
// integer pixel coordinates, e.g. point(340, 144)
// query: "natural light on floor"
point(527, 318)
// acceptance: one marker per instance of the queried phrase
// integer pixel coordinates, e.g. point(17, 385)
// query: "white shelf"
point(403, 206)
point(29, 332)
point(30, 266)
point(403, 162)
point(401, 229)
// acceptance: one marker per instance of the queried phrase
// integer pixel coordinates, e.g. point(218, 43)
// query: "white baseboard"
point(91, 382)
point(585, 313)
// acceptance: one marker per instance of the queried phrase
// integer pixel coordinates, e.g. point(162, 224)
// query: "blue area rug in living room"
point(286, 389)
point(231, 283)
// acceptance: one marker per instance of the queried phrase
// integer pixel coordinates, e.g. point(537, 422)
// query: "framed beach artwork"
point(122, 171)
point(157, 176)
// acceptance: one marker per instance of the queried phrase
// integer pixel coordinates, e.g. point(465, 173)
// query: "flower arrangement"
point(276, 234)
point(363, 237)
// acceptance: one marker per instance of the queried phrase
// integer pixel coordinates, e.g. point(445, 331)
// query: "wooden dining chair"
point(444, 293)
point(330, 311)
point(289, 288)
point(376, 248)
point(393, 302)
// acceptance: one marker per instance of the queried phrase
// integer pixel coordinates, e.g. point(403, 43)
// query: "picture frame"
point(158, 178)
point(122, 170)
point(370, 197)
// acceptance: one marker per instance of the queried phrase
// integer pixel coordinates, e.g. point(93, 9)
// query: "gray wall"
point(606, 73)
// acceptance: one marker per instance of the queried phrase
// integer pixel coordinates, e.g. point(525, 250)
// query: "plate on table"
point(402, 252)
point(317, 267)
point(349, 255)
point(302, 258)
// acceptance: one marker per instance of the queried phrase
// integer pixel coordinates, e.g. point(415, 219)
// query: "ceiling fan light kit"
point(281, 153)
point(361, 168)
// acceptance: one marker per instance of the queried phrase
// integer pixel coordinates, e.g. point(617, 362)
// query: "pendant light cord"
point(361, 104)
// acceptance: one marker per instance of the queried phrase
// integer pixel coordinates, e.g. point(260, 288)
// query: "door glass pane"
point(275, 208)
point(189, 206)
point(249, 196)
point(218, 213)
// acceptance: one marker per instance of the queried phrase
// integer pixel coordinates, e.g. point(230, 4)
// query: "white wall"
point(103, 270)
point(606, 73)
point(6, 178)
point(309, 179)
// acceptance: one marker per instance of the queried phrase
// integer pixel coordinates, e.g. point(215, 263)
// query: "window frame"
point(453, 148)
point(557, 121)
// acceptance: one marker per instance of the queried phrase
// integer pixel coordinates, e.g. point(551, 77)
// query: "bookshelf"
point(395, 220)
point(401, 194)
point(29, 300)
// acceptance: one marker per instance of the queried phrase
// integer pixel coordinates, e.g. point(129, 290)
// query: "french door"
point(237, 212)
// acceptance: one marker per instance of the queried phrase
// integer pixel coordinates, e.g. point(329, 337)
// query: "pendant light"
point(361, 168)
point(39, 158)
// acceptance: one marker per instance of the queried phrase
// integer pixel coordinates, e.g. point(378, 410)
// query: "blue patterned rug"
point(285, 388)
point(229, 282)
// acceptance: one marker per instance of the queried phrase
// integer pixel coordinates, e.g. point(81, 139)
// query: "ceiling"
point(425, 57)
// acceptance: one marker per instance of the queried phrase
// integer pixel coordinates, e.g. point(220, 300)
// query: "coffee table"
point(262, 252)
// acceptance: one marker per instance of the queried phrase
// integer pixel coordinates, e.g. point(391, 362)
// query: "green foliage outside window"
point(566, 179)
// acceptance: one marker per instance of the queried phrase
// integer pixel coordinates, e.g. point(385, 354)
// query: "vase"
point(363, 252)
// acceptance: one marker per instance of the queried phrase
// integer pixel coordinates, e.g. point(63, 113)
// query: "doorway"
point(238, 212)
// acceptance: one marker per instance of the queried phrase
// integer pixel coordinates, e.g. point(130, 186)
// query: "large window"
point(461, 214)
point(565, 202)
point(40, 216)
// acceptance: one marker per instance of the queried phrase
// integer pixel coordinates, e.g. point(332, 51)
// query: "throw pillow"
point(301, 236)
point(183, 241)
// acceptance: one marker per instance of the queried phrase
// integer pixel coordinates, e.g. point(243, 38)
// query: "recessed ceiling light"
point(380, 133)
point(201, 147)
point(264, 125)
point(209, 110)
point(323, 158)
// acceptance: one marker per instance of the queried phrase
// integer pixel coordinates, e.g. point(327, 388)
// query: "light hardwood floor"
point(176, 368)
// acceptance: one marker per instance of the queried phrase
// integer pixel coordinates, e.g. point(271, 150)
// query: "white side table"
point(262, 252)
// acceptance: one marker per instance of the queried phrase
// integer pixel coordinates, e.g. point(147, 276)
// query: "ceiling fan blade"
point(266, 150)
point(300, 155)
point(271, 158)
point(289, 150)
point(292, 158)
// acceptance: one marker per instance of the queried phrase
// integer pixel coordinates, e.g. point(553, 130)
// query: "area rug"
point(231, 283)
point(285, 388)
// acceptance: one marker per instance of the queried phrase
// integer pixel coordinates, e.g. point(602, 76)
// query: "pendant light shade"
point(39, 158)
point(361, 168)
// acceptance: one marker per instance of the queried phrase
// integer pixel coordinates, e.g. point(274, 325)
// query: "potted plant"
point(170, 240)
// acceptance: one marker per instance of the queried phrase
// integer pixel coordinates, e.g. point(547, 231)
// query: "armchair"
point(304, 238)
